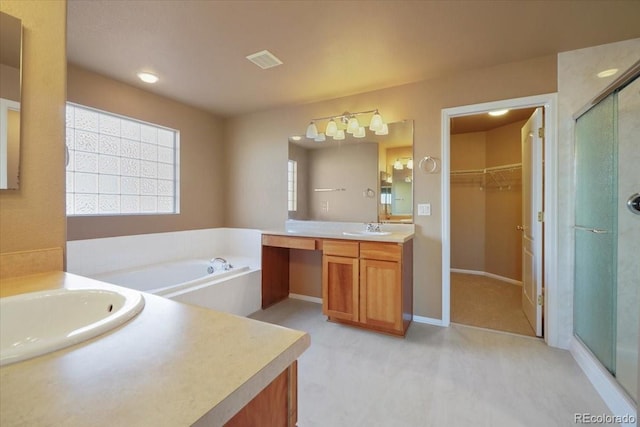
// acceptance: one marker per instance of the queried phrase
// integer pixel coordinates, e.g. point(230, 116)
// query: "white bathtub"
point(155, 263)
point(167, 278)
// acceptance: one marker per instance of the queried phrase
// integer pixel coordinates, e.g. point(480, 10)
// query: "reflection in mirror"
point(10, 61)
point(355, 180)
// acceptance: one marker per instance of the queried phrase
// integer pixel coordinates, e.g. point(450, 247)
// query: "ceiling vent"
point(264, 59)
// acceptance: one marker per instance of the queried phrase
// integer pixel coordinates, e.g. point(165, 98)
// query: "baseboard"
point(427, 320)
point(484, 273)
point(613, 395)
point(306, 298)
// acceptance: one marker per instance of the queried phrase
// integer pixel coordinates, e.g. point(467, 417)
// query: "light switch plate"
point(424, 209)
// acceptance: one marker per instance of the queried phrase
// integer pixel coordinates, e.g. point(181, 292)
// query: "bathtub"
point(174, 265)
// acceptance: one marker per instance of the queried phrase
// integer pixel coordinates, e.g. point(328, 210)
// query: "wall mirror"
point(355, 180)
point(10, 78)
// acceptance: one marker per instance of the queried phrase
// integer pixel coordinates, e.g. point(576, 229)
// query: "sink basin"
point(41, 322)
point(366, 233)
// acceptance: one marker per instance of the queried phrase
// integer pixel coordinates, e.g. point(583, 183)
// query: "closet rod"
point(512, 166)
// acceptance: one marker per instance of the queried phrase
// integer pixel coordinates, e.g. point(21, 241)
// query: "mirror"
point(10, 77)
point(353, 180)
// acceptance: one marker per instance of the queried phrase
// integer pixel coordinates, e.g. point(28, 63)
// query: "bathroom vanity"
point(367, 278)
point(173, 364)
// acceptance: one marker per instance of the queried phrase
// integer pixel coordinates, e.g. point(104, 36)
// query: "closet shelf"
point(501, 177)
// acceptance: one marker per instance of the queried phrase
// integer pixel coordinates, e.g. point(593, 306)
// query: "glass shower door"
point(596, 164)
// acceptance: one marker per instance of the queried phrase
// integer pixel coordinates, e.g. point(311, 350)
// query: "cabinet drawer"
point(381, 251)
point(289, 242)
point(340, 248)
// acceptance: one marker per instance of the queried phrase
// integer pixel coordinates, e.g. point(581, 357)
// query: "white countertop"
point(399, 233)
point(173, 364)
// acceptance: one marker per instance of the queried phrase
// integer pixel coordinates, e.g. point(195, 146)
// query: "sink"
point(37, 323)
point(366, 233)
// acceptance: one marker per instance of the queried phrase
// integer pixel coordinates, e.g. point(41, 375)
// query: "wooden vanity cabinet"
point(340, 280)
point(369, 285)
point(364, 283)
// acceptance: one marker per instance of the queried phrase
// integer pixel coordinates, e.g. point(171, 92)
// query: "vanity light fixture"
point(497, 113)
point(384, 130)
point(398, 165)
point(312, 131)
point(347, 122)
point(607, 73)
point(148, 77)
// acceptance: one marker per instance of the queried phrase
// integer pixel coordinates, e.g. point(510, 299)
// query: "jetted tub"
point(168, 278)
point(174, 265)
point(189, 281)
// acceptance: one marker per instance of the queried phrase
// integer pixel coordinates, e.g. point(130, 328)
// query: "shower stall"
point(607, 229)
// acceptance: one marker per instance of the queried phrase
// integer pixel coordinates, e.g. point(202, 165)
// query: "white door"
point(532, 220)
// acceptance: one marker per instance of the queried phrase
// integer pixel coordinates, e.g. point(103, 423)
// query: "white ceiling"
point(329, 48)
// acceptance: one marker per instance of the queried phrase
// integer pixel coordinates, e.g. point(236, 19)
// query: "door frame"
point(549, 102)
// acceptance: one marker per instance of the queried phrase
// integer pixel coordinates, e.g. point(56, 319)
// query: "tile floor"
point(456, 376)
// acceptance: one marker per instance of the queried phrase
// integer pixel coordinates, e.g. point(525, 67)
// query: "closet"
point(487, 221)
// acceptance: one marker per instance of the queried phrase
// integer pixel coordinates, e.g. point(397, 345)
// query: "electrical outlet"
point(424, 209)
point(324, 205)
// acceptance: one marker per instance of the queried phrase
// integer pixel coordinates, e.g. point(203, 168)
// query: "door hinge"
point(540, 132)
point(541, 216)
point(540, 300)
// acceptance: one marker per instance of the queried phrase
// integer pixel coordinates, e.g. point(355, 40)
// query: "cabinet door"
point(381, 294)
point(340, 287)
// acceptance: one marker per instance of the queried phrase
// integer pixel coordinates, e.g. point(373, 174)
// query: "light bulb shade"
point(397, 165)
point(353, 125)
point(339, 135)
point(376, 122)
point(332, 128)
point(312, 131)
point(360, 133)
point(410, 164)
point(320, 138)
point(384, 130)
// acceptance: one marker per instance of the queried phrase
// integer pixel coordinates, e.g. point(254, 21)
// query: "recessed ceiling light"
point(296, 138)
point(607, 73)
point(498, 113)
point(147, 77)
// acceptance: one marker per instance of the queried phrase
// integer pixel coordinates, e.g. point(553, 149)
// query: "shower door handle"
point(633, 203)
point(592, 230)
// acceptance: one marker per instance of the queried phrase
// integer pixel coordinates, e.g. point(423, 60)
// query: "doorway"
point(546, 163)
point(490, 188)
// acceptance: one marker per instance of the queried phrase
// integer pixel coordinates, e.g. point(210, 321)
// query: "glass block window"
point(120, 166)
point(292, 185)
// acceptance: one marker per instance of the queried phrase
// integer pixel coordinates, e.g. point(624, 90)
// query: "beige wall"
point(483, 215)
point(305, 273)
point(468, 202)
point(258, 142)
point(503, 242)
point(202, 182)
point(33, 217)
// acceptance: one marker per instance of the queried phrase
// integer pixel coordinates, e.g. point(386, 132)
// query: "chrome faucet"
point(225, 265)
point(373, 227)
